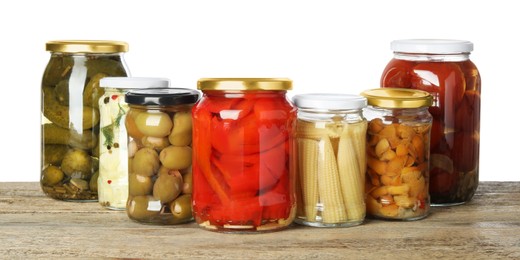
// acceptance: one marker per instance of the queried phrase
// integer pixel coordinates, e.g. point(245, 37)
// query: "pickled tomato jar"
point(113, 152)
point(398, 153)
point(159, 129)
point(70, 115)
point(444, 69)
point(243, 164)
point(331, 140)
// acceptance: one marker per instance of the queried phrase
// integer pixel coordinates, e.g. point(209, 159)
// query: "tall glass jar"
point(243, 165)
point(159, 128)
point(70, 115)
point(443, 68)
point(331, 138)
point(398, 153)
point(113, 152)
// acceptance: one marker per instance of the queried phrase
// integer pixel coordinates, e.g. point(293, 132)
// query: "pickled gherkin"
point(70, 114)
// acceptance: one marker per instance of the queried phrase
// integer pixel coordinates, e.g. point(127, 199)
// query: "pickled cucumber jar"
point(113, 152)
point(159, 129)
point(398, 153)
point(243, 164)
point(70, 115)
point(444, 69)
point(331, 138)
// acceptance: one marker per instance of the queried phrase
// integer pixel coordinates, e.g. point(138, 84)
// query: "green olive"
point(93, 184)
point(138, 207)
point(164, 170)
point(187, 187)
point(156, 124)
point(181, 207)
point(157, 143)
point(52, 175)
point(77, 164)
point(145, 162)
point(139, 185)
point(176, 157)
point(131, 127)
point(181, 132)
point(167, 187)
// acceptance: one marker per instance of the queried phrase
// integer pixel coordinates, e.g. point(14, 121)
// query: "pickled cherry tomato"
point(397, 74)
point(445, 81)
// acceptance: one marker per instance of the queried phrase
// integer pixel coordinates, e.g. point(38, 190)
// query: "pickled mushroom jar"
point(443, 68)
point(113, 152)
point(331, 139)
point(70, 115)
point(243, 164)
point(159, 129)
point(398, 153)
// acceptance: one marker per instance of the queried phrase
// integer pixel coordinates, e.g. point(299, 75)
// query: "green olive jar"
point(70, 115)
point(159, 130)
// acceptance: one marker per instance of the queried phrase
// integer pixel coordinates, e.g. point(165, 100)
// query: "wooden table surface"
point(34, 226)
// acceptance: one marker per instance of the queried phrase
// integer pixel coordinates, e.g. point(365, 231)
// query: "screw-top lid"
point(329, 101)
point(244, 84)
point(134, 82)
point(431, 46)
point(162, 97)
point(87, 46)
point(397, 98)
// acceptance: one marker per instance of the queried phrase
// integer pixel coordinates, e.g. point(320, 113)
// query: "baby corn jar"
point(330, 134)
point(398, 153)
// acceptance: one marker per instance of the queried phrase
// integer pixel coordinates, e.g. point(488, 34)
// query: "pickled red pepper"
point(241, 161)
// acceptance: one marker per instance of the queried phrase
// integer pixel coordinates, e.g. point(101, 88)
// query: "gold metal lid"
point(397, 98)
point(244, 84)
point(79, 46)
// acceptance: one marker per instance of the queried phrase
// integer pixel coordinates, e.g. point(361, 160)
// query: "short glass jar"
point(331, 138)
point(113, 152)
point(243, 165)
point(398, 153)
point(444, 69)
point(159, 126)
point(70, 115)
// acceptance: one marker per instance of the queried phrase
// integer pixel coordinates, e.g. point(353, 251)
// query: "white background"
point(323, 46)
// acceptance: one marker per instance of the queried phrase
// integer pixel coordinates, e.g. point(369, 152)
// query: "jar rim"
point(397, 98)
point(244, 84)
point(431, 46)
point(332, 101)
point(86, 46)
point(134, 82)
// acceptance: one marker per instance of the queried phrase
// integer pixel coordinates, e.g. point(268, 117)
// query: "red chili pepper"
point(114, 97)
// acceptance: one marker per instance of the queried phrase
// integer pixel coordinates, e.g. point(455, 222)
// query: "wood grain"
point(34, 226)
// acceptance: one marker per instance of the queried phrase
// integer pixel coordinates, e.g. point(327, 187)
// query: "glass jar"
point(398, 153)
point(159, 125)
point(243, 165)
point(113, 152)
point(70, 115)
point(443, 68)
point(331, 138)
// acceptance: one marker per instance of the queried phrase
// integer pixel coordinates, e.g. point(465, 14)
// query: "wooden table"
point(32, 225)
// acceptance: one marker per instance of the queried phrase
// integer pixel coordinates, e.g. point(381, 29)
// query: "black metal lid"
point(162, 96)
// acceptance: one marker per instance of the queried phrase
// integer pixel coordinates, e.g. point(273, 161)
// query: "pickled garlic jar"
point(331, 139)
point(70, 115)
point(243, 165)
point(159, 128)
point(398, 153)
point(443, 68)
point(113, 152)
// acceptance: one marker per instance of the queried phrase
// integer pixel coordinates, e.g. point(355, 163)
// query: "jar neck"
point(351, 116)
point(432, 57)
point(395, 115)
point(245, 93)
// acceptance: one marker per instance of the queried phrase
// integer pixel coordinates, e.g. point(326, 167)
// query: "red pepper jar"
point(443, 68)
point(243, 164)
